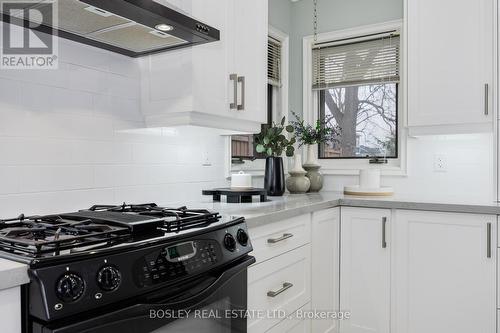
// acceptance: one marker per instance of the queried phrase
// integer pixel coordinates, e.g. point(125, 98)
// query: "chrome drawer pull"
point(280, 239)
point(241, 106)
point(384, 241)
point(488, 240)
point(234, 78)
point(286, 285)
point(486, 99)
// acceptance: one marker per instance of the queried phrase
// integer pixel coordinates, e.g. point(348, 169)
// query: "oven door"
point(212, 303)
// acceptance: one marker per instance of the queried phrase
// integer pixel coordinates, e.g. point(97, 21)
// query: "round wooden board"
point(369, 194)
point(380, 192)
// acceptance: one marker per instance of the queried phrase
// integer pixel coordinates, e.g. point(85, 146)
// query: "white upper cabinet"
point(365, 270)
point(450, 65)
point(250, 30)
point(193, 86)
point(445, 272)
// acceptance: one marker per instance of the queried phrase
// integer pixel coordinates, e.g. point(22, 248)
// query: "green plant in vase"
point(273, 142)
point(323, 131)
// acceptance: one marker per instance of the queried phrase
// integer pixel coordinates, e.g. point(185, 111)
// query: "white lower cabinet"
point(278, 287)
point(365, 270)
point(273, 239)
point(395, 271)
point(10, 310)
point(325, 267)
point(445, 272)
point(295, 324)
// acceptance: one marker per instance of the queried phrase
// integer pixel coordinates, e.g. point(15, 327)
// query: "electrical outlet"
point(440, 163)
point(206, 159)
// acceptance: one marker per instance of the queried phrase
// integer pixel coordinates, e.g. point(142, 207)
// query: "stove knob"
point(229, 242)
point(242, 237)
point(108, 278)
point(70, 287)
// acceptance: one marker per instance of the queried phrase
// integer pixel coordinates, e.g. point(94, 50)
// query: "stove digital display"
point(180, 251)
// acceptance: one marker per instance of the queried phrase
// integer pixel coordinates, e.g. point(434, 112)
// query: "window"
point(357, 85)
point(243, 146)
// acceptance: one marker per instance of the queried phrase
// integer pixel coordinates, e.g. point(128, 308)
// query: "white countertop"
point(277, 208)
point(12, 274)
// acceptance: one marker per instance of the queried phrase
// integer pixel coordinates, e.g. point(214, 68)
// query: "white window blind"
point(274, 61)
point(360, 61)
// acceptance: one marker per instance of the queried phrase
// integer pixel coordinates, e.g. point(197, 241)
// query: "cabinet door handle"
point(279, 239)
point(384, 224)
point(488, 240)
point(241, 106)
point(486, 99)
point(286, 285)
point(234, 78)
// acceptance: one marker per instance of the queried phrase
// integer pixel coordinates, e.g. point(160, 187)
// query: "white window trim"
point(310, 101)
point(280, 103)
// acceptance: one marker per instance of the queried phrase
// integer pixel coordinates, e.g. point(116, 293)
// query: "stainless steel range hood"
point(131, 27)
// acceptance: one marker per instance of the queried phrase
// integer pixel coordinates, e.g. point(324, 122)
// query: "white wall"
point(470, 175)
point(62, 145)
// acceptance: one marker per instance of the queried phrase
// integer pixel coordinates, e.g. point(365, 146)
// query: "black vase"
point(274, 178)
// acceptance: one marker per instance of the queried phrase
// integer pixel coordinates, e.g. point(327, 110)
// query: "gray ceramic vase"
point(315, 177)
point(298, 182)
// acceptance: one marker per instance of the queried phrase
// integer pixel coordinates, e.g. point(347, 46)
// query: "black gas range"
point(131, 268)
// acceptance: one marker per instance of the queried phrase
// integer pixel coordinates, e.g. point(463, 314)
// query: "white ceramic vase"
point(297, 182)
point(312, 158)
point(297, 165)
point(312, 167)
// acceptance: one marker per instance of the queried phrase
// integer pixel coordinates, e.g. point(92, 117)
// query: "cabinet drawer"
point(280, 284)
point(276, 238)
point(293, 325)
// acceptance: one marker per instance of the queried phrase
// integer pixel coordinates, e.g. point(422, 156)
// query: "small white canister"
point(241, 181)
point(369, 179)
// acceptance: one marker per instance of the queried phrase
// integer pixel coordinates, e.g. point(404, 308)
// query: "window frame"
point(351, 166)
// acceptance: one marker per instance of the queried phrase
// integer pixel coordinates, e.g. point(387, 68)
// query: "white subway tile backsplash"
point(122, 86)
point(105, 176)
point(51, 202)
point(87, 79)
point(64, 125)
point(71, 101)
point(84, 55)
point(101, 105)
point(34, 151)
point(100, 152)
point(126, 109)
point(75, 136)
point(153, 153)
point(9, 93)
point(56, 178)
point(36, 97)
point(125, 66)
point(9, 180)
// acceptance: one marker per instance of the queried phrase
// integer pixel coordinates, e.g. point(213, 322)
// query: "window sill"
point(385, 171)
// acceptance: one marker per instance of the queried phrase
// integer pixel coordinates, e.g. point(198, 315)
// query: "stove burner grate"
point(101, 226)
point(37, 235)
point(175, 219)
